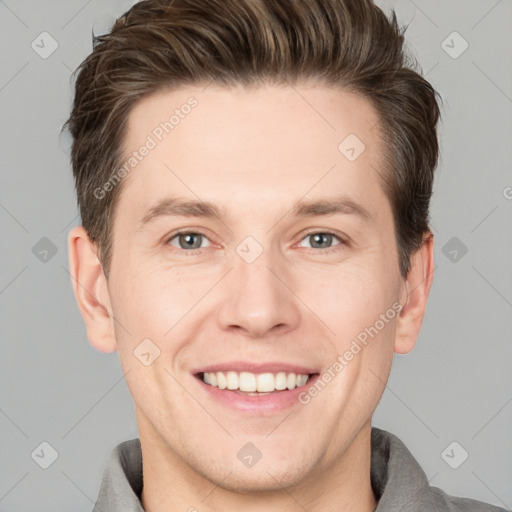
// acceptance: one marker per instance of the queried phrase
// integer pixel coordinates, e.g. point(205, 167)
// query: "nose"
point(259, 298)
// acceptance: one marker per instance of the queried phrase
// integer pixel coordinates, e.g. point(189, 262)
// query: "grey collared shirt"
point(396, 477)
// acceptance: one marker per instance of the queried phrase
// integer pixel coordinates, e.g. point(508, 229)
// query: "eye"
point(188, 240)
point(323, 240)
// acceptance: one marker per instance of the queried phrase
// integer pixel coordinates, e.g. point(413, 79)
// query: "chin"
point(265, 480)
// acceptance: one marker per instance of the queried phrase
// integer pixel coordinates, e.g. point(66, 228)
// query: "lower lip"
point(261, 404)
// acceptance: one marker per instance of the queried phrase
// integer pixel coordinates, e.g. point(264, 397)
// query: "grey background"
point(455, 386)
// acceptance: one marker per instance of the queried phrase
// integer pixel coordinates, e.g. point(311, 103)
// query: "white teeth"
point(292, 381)
point(280, 381)
point(250, 382)
point(246, 382)
point(231, 380)
point(301, 380)
point(265, 383)
point(221, 380)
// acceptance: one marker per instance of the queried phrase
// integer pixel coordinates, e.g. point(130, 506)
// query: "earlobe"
point(416, 290)
point(91, 290)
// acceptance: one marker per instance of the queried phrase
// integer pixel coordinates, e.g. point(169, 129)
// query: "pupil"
point(320, 237)
point(189, 240)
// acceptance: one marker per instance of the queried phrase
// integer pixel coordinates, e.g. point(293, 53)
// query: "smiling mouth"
point(255, 384)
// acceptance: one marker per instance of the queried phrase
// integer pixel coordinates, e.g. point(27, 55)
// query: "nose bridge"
point(258, 299)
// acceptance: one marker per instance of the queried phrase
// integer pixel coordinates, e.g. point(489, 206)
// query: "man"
point(254, 178)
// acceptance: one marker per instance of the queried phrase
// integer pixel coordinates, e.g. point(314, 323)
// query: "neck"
point(171, 485)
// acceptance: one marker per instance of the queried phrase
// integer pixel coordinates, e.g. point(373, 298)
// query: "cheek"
point(357, 304)
point(151, 302)
point(351, 298)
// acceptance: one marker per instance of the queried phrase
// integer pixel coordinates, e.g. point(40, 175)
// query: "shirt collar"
point(396, 477)
point(121, 485)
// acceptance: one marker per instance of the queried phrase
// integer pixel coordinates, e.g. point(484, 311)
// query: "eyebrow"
point(172, 206)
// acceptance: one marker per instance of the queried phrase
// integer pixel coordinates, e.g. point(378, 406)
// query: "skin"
point(256, 152)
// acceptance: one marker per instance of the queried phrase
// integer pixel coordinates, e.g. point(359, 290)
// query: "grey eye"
point(320, 240)
point(188, 240)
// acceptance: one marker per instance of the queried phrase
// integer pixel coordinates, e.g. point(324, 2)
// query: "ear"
point(416, 288)
point(91, 290)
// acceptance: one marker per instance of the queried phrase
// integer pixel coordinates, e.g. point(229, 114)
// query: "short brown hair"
point(165, 44)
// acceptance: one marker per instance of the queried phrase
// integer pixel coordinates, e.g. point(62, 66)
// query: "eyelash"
point(343, 242)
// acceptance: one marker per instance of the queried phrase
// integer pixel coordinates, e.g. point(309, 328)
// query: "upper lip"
point(254, 367)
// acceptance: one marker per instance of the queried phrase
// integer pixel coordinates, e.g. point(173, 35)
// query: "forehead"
point(286, 110)
point(258, 144)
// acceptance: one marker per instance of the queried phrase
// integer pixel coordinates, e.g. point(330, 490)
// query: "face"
point(282, 262)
